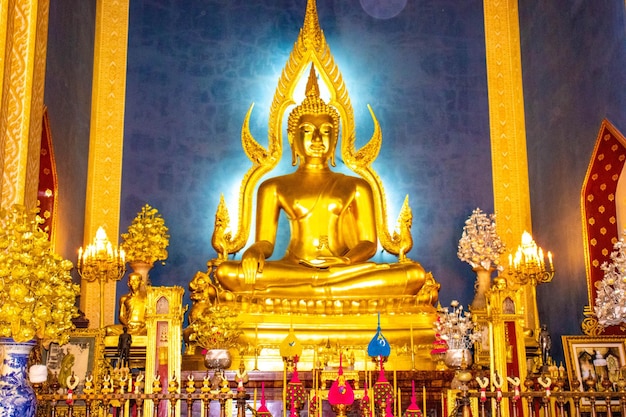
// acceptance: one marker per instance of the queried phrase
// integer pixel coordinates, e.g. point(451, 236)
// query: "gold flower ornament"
point(147, 238)
point(37, 294)
point(218, 328)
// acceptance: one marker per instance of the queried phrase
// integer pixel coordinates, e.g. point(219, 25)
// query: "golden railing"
point(529, 403)
point(139, 405)
point(541, 403)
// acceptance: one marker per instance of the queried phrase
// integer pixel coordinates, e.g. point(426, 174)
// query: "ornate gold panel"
point(104, 177)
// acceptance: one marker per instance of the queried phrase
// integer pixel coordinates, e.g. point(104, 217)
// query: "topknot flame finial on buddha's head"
point(312, 104)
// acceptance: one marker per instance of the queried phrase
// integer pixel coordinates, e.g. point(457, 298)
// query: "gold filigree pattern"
point(22, 106)
point(36, 104)
point(507, 130)
point(506, 113)
point(104, 176)
point(590, 325)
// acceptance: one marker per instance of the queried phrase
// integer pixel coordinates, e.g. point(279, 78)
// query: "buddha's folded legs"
point(283, 279)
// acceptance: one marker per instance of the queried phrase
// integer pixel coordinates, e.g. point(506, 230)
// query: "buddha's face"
point(315, 136)
point(134, 281)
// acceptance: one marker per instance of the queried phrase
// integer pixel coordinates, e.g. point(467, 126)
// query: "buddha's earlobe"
point(294, 156)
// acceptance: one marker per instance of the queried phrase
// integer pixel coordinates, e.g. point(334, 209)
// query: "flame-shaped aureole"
point(310, 48)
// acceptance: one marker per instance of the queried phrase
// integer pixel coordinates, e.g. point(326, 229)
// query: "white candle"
point(550, 260)
point(38, 374)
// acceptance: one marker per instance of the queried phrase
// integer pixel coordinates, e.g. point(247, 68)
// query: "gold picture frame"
point(83, 355)
point(582, 354)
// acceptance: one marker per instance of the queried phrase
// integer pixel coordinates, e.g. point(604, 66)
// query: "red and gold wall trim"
point(599, 214)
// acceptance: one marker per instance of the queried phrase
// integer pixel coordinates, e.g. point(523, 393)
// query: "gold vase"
point(341, 410)
point(142, 268)
point(482, 285)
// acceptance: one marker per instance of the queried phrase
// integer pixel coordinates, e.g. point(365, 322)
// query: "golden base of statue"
point(325, 337)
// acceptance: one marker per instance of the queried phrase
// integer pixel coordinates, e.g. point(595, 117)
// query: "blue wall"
point(194, 69)
point(573, 60)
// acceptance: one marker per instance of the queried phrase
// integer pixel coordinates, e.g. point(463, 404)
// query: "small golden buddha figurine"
point(332, 222)
point(132, 309)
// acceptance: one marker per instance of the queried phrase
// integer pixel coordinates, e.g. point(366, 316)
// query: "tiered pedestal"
point(323, 337)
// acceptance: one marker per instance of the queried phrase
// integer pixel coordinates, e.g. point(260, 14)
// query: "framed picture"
point(597, 357)
point(482, 347)
point(83, 355)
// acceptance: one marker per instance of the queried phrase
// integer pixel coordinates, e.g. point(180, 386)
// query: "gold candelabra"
point(529, 269)
point(529, 264)
point(102, 262)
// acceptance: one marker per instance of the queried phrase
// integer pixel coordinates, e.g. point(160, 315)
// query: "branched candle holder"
point(102, 262)
point(529, 266)
point(529, 269)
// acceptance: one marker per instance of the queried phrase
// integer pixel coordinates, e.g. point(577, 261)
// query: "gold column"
point(104, 177)
point(508, 131)
point(23, 44)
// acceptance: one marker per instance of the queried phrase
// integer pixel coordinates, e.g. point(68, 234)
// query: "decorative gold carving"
point(505, 314)
point(164, 318)
point(4, 30)
point(590, 325)
point(104, 178)
point(25, 32)
point(221, 234)
point(507, 126)
point(37, 105)
point(506, 113)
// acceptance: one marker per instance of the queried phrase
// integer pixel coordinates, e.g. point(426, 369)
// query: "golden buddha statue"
point(132, 314)
point(326, 285)
point(332, 222)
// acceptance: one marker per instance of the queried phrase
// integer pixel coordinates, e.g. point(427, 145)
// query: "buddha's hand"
point(252, 262)
point(326, 261)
